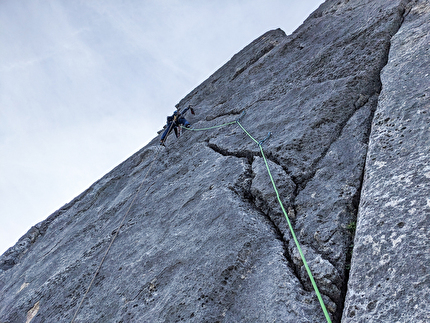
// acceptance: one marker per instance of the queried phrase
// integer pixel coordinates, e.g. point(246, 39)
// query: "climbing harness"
point(175, 123)
point(260, 145)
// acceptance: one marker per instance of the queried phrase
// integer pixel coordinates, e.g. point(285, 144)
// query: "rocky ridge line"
point(219, 244)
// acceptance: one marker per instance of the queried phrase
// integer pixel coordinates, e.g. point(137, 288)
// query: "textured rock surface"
point(205, 240)
point(390, 275)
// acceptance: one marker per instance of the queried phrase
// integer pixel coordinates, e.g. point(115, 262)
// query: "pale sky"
point(85, 84)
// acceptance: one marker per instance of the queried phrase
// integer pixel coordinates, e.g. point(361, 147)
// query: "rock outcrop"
point(205, 239)
point(390, 275)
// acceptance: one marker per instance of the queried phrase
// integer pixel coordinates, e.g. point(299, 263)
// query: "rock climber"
point(174, 121)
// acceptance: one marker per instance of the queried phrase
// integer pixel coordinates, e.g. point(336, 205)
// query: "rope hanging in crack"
point(260, 143)
point(114, 237)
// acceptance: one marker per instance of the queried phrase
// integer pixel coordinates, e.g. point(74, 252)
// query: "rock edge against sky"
point(205, 240)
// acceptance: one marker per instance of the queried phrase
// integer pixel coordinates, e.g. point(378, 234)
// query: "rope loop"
point(260, 145)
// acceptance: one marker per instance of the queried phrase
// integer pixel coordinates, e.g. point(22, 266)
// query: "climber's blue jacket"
point(175, 120)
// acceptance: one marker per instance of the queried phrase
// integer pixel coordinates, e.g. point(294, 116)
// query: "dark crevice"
point(274, 160)
point(243, 190)
point(350, 248)
point(405, 9)
point(344, 287)
point(303, 181)
point(300, 185)
point(229, 113)
point(279, 236)
point(355, 201)
point(249, 155)
point(245, 194)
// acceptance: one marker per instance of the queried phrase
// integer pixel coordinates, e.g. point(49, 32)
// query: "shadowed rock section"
point(205, 240)
point(390, 275)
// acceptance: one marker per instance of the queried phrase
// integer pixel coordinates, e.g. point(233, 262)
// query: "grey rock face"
point(390, 275)
point(205, 240)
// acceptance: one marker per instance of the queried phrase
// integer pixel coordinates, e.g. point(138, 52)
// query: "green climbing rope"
point(290, 226)
point(249, 135)
point(259, 143)
point(296, 241)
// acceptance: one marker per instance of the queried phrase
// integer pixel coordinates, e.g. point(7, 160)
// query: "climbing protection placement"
point(260, 145)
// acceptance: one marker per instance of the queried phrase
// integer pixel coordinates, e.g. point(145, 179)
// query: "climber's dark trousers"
point(181, 121)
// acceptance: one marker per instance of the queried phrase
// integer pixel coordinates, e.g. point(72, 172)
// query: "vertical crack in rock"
point(393, 188)
point(302, 182)
point(357, 197)
point(244, 189)
point(207, 239)
point(255, 187)
point(263, 197)
point(259, 197)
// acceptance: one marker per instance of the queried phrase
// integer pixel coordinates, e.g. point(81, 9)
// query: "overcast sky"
point(85, 84)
